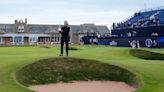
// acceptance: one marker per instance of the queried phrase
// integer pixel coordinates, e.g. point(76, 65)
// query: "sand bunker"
point(85, 86)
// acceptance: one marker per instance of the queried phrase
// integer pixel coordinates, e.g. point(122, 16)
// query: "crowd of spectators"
point(141, 22)
point(146, 21)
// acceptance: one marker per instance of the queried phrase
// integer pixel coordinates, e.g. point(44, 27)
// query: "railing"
point(139, 27)
point(144, 10)
point(152, 9)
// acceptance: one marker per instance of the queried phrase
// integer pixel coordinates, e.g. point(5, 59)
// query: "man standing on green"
point(65, 38)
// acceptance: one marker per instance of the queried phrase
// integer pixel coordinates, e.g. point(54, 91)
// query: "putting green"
point(150, 73)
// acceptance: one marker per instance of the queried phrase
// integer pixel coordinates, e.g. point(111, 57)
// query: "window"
point(11, 39)
point(21, 28)
point(52, 39)
point(17, 39)
point(1, 39)
point(58, 39)
point(41, 39)
point(55, 39)
point(33, 39)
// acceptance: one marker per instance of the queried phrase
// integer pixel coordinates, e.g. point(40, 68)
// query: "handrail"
point(152, 9)
point(145, 10)
point(140, 27)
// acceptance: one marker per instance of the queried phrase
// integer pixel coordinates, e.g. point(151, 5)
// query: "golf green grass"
point(149, 72)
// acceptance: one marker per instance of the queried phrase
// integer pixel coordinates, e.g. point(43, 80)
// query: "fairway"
point(149, 72)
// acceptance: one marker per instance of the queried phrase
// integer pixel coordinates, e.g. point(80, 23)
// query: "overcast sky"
point(103, 12)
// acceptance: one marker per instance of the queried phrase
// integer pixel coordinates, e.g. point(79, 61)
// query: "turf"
point(150, 72)
point(54, 70)
point(147, 55)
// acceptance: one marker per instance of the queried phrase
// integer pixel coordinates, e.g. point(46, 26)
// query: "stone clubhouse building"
point(22, 33)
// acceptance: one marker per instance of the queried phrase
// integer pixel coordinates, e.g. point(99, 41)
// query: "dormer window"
point(21, 29)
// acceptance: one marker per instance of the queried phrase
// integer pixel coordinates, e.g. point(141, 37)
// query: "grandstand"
point(144, 29)
point(143, 19)
point(141, 24)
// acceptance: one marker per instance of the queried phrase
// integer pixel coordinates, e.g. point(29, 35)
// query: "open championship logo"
point(148, 42)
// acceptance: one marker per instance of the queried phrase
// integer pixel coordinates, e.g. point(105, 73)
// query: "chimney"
point(26, 20)
point(16, 21)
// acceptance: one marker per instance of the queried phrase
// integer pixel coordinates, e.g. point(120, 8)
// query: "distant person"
point(133, 44)
point(138, 44)
point(154, 44)
point(91, 41)
point(154, 34)
point(95, 41)
point(65, 38)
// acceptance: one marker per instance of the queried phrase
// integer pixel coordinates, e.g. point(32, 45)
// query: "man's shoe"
point(61, 55)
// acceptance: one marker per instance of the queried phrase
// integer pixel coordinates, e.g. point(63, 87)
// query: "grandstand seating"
point(142, 19)
point(141, 15)
point(161, 17)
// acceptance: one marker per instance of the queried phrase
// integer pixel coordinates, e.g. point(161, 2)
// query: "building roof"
point(41, 29)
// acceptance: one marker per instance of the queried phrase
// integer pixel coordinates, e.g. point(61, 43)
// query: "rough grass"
point(55, 70)
point(73, 48)
point(147, 55)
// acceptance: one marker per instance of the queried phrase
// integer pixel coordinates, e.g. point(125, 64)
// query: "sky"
point(100, 12)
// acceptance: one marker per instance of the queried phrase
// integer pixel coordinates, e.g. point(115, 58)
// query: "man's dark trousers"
point(66, 41)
